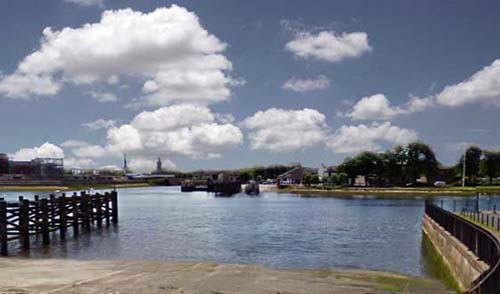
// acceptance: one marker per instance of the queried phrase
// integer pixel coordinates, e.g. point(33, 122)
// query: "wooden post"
point(107, 198)
point(37, 214)
point(62, 216)
point(45, 222)
point(74, 203)
point(52, 210)
point(85, 210)
point(3, 228)
point(98, 206)
point(24, 222)
point(114, 206)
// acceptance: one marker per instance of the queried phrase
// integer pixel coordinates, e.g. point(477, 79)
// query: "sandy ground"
point(121, 277)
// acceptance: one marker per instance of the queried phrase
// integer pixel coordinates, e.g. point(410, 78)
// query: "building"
point(38, 168)
point(4, 164)
point(291, 177)
point(158, 166)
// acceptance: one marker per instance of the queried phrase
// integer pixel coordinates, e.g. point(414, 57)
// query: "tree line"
point(408, 165)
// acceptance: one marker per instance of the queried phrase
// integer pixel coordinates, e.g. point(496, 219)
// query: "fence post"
point(74, 203)
point(114, 206)
point(3, 228)
point(37, 214)
point(24, 222)
point(454, 205)
point(45, 222)
point(62, 216)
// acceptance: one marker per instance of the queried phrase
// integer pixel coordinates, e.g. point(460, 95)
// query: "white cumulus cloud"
point(87, 2)
point(328, 46)
point(103, 96)
point(378, 107)
point(99, 124)
point(281, 130)
point(168, 49)
point(45, 150)
point(189, 130)
point(303, 85)
point(482, 87)
point(353, 139)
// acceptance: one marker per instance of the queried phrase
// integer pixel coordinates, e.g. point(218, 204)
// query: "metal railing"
point(478, 240)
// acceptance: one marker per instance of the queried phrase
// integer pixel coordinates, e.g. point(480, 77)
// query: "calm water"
point(275, 230)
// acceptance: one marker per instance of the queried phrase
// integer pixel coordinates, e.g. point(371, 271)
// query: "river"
point(277, 230)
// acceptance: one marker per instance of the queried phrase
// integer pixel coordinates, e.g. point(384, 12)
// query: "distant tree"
point(307, 179)
point(350, 167)
point(421, 160)
point(394, 163)
point(490, 164)
point(472, 162)
point(314, 179)
point(334, 179)
point(342, 179)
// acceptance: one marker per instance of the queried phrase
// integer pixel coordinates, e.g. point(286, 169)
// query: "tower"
point(125, 168)
point(158, 166)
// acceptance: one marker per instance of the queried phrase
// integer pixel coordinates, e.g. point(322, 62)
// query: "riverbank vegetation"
point(416, 165)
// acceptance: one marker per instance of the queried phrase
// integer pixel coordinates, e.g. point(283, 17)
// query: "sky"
point(230, 84)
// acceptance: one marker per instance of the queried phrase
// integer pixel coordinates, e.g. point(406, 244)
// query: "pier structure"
point(21, 220)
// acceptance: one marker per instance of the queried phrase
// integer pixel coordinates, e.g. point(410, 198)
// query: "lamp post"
point(463, 168)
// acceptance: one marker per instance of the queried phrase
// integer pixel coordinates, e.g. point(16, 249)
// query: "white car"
point(439, 183)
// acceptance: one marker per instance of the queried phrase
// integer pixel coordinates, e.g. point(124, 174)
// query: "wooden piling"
point(45, 221)
point(114, 206)
point(107, 198)
point(43, 216)
point(75, 220)
point(62, 216)
point(24, 231)
point(3, 228)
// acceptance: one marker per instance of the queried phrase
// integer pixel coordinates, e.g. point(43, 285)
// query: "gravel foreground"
point(120, 277)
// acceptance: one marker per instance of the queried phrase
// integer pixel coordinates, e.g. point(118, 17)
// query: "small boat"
point(252, 188)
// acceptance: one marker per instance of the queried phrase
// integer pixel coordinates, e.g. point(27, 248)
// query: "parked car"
point(439, 183)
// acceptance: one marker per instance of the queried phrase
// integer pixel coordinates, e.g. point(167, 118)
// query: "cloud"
point(99, 3)
point(141, 164)
point(45, 150)
point(83, 149)
point(328, 46)
point(168, 49)
point(375, 107)
point(281, 130)
point(353, 139)
point(72, 162)
point(188, 130)
point(103, 96)
point(482, 87)
point(303, 85)
point(378, 107)
point(99, 124)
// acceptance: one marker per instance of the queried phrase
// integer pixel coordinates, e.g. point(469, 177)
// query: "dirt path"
point(131, 277)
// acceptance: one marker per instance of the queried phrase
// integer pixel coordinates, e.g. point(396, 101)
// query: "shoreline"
point(15, 188)
point(21, 275)
point(389, 192)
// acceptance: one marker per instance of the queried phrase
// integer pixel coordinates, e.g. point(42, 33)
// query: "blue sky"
point(226, 84)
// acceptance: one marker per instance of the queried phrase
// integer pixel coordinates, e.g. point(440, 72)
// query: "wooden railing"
point(22, 219)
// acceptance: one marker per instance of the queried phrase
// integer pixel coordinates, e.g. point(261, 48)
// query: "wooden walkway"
point(25, 218)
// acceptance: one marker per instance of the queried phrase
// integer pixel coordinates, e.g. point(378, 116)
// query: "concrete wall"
point(463, 264)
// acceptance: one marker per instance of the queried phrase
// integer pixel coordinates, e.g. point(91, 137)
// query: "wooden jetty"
point(25, 218)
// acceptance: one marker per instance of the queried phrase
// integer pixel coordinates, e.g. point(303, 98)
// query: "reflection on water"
point(275, 230)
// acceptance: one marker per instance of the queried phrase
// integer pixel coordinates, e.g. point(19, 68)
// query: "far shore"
point(30, 188)
point(20, 275)
point(391, 191)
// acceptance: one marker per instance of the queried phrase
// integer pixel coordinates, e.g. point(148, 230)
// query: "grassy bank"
point(73, 187)
point(393, 191)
